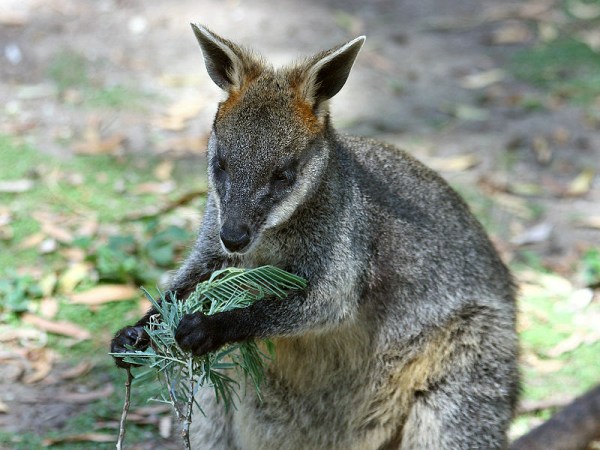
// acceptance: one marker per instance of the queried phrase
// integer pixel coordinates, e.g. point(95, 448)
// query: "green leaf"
point(183, 374)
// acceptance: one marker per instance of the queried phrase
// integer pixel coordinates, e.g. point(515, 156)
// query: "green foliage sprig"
point(183, 374)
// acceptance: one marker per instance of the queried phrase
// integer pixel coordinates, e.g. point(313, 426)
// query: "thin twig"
point(125, 410)
point(173, 398)
point(154, 211)
point(185, 431)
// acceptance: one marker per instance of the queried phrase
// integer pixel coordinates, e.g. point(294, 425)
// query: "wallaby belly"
point(339, 390)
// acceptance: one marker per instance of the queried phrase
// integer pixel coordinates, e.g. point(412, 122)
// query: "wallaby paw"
point(133, 336)
point(197, 333)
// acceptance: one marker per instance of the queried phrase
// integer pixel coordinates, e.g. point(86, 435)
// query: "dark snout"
point(235, 237)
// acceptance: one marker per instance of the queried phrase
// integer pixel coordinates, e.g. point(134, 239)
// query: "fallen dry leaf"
point(13, 370)
point(87, 397)
point(561, 136)
point(94, 144)
point(176, 80)
point(107, 145)
point(104, 294)
point(85, 437)
point(5, 215)
point(573, 342)
point(76, 371)
point(532, 406)
point(179, 113)
point(165, 427)
point(144, 305)
point(61, 327)
point(525, 189)
point(511, 33)
point(33, 240)
point(583, 10)
point(6, 231)
point(184, 145)
point(589, 222)
point(580, 299)
point(161, 188)
point(74, 275)
point(547, 32)
point(534, 9)
point(12, 17)
point(25, 337)
point(88, 227)
point(566, 345)
point(47, 284)
point(555, 284)
point(152, 410)
point(164, 170)
point(514, 204)
point(16, 186)
point(62, 235)
point(470, 113)
point(582, 184)
point(457, 163)
point(159, 210)
point(483, 79)
point(542, 150)
point(41, 361)
point(533, 235)
point(542, 365)
point(73, 254)
point(48, 307)
point(591, 38)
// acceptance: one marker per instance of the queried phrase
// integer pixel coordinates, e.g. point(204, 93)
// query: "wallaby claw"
point(197, 333)
point(132, 336)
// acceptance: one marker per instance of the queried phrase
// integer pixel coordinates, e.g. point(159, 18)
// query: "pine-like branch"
point(183, 374)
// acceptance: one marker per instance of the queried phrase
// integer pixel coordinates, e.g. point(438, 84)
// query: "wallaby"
point(405, 337)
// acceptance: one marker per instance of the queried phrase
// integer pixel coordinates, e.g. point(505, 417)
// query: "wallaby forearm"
point(273, 317)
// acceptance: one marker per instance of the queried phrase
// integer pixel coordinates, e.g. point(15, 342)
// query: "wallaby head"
point(268, 148)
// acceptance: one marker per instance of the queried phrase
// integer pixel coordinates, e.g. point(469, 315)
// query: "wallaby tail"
point(572, 428)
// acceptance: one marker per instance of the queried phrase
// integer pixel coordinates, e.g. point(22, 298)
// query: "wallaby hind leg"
point(459, 415)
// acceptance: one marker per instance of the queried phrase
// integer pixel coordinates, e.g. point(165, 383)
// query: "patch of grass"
point(69, 69)
point(590, 270)
point(551, 319)
point(117, 96)
point(22, 441)
point(102, 324)
point(87, 420)
point(81, 187)
point(566, 67)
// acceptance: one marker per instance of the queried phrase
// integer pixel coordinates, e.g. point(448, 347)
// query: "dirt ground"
point(408, 85)
point(415, 84)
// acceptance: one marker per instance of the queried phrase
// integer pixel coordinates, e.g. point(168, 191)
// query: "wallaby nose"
point(234, 238)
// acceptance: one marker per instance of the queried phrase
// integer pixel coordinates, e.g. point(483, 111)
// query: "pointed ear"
point(228, 65)
point(328, 71)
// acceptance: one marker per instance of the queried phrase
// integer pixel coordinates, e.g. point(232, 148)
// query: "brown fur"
point(306, 115)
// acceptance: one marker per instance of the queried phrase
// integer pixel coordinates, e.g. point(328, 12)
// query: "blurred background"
point(105, 108)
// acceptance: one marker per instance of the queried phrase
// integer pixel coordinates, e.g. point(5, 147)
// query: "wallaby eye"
point(284, 177)
point(220, 164)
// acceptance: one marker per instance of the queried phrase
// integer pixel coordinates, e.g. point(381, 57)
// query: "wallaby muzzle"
point(235, 237)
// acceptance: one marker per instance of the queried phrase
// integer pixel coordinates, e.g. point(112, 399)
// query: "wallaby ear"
point(227, 64)
point(328, 71)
